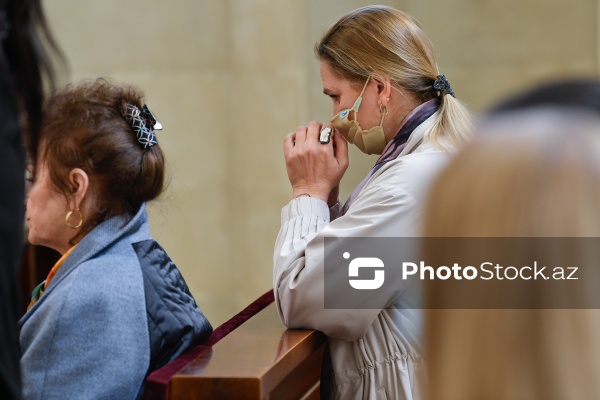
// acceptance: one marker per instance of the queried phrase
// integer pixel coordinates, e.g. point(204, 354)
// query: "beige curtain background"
point(229, 78)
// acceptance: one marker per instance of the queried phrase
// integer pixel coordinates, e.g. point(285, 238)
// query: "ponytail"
point(452, 126)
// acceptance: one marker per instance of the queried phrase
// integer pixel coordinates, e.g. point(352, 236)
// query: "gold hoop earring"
point(382, 110)
point(68, 218)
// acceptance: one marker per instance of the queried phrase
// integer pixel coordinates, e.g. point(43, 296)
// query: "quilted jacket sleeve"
point(175, 323)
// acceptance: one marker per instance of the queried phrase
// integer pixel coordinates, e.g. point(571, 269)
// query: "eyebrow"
point(327, 92)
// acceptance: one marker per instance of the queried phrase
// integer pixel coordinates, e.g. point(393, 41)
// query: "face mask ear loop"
point(359, 99)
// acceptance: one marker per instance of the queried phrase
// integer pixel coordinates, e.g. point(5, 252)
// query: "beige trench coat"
point(375, 354)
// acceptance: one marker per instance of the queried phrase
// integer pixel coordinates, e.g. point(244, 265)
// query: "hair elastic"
point(441, 84)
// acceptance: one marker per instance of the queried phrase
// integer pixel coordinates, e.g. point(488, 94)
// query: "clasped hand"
point(315, 168)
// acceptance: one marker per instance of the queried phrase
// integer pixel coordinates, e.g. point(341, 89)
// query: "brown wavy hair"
point(84, 127)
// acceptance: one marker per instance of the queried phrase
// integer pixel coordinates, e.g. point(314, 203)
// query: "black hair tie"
point(441, 84)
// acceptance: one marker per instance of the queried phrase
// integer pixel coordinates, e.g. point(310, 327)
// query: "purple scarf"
point(393, 149)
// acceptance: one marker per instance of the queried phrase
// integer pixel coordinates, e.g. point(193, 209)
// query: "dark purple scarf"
point(393, 149)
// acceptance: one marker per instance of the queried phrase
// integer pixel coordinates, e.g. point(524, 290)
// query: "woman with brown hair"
point(114, 307)
point(379, 69)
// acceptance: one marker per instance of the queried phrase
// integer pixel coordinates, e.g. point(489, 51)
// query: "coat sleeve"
point(100, 344)
point(380, 210)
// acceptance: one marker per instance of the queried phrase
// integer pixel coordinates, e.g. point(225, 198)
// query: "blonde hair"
point(529, 174)
point(526, 174)
point(383, 40)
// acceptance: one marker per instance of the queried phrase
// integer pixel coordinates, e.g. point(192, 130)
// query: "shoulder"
point(414, 172)
point(112, 272)
point(108, 288)
point(100, 289)
point(421, 161)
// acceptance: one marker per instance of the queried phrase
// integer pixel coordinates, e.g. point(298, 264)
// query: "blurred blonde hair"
point(529, 174)
point(382, 40)
point(526, 174)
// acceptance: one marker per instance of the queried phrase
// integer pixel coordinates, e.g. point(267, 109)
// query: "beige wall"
point(229, 78)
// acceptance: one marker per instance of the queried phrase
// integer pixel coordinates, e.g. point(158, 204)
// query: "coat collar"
point(99, 240)
point(417, 137)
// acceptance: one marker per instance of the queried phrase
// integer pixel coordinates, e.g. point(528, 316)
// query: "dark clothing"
point(12, 190)
point(175, 324)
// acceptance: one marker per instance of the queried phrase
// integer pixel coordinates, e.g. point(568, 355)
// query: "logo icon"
point(365, 262)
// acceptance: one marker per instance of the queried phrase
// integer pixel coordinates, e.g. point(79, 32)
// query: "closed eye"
point(334, 97)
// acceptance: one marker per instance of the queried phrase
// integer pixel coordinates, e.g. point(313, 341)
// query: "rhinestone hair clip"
point(143, 123)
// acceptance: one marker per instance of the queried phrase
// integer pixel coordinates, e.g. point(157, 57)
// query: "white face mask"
point(370, 141)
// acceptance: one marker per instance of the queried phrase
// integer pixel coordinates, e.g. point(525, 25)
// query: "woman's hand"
point(315, 168)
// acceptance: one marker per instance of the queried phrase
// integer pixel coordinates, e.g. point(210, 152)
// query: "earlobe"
point(384, 89)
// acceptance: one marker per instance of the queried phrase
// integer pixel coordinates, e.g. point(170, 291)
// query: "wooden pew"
point(252, 356)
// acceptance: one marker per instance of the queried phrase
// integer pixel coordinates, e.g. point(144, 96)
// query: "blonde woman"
point(389, 99)
point(527, 174)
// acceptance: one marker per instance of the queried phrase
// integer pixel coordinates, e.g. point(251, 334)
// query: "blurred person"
point(583, 93)
point(379, 69)
point(24, 64)
point(114, 307)
point(526, 174)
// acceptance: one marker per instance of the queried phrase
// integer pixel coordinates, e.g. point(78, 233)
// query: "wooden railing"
point(252, 356)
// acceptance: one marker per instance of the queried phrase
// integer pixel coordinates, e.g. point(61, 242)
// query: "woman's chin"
point(33, 239)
